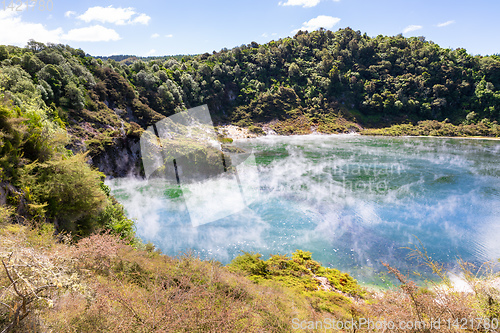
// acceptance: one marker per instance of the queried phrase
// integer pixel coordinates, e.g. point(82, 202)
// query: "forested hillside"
point(375, 79)
point(322, 76)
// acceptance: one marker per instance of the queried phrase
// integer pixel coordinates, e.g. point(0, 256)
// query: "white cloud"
point(444, 24)
point(142, 19)
point(95, 33)
point(151, 52)
point(169, 36)
point(18, 32)
point(69, 13)
point(266, 35)
point(155, 35)
point(322, 21)
point(303, 3)
point(7, 13)
point(411, 28)
point(119, 16)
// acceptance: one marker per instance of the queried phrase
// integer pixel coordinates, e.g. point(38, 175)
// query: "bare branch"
point(10, 308)
point(12, 280)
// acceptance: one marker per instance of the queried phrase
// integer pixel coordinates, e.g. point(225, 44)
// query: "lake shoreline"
point(241, 133)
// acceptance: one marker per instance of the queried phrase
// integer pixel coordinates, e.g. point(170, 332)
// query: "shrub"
point(249, 263)
point(5, 214)
point(301, 274)
point(98, 251)
point(34, 270)
point(71, 190)
point(298, 125)
point(455, 310)
point(436, 128)
point(256, 130)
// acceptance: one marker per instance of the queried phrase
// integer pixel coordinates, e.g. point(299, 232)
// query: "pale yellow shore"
point(236, 133)
point(451, 137)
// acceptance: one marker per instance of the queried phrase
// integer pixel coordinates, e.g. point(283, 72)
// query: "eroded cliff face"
point(121, 159)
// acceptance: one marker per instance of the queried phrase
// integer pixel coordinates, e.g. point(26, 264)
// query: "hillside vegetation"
point(101, 284)
point(330, 81)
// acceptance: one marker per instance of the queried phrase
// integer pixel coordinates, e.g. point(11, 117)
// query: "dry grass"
point(443, 307)
point(103, 285)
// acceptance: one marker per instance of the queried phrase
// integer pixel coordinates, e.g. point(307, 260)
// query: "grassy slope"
point(102, 285)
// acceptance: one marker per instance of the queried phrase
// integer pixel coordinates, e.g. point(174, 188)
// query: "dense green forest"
point(319, 77)
point(375, 80)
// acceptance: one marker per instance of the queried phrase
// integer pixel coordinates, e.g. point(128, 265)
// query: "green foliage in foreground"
point(44, 182)
point(298, 272)
point(301, 274)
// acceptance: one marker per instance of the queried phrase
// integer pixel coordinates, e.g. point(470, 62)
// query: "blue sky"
point(157, 27)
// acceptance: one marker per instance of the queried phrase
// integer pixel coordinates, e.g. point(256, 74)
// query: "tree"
point(75, 96)
point(31, 64)
point(52, 74)
point(34, 46)
point(69, 188)
point(4, 53)
point(147, 80)
point(293, 70)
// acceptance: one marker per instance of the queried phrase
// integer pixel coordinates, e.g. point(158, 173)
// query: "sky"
point(156, 27)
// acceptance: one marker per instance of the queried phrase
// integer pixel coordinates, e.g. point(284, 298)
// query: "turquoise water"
point(353, 201)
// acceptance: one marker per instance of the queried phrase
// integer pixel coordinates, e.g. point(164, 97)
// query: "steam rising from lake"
point(353, 201)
